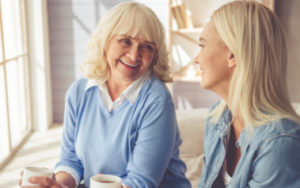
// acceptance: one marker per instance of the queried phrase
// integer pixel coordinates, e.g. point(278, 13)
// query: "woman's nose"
point(196, 60)
point(134, 53)
point(199, 57)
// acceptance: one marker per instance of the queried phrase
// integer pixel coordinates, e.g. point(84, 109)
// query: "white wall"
point(203, 9)
point(288, 12)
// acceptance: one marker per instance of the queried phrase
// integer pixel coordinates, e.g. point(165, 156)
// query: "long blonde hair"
point(258, 89)
point(131, 19)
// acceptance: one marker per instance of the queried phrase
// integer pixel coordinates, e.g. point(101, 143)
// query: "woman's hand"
point(45, 182)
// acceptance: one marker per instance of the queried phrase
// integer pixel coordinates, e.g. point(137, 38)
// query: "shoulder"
point(278, 129)
point(213, 107)
point(282, 136)
point(78, 85)
point(219, 120)
point(155, 90)
point(77, 88)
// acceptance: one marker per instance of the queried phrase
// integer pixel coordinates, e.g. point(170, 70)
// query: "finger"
point(44, 181)
point(21, 176)
point(35, 186)
point(20, 182)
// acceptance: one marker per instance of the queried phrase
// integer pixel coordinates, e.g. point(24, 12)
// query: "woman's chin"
point(203, 85)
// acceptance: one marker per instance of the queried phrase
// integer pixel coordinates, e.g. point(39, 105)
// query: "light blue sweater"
point(139, 142)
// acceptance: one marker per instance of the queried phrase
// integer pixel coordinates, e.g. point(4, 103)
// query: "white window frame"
point(36, 59)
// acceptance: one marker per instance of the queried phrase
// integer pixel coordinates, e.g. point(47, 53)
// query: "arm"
point(154, 146)
point(277, 163)
point(69, 159)
point(69, 162)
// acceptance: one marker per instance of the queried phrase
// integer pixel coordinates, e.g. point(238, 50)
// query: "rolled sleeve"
point(70, 171)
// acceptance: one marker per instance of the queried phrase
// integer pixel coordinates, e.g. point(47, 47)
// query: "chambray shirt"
point(270, 155)
point(138, 141)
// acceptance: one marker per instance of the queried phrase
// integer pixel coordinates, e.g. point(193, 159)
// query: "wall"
point(288, 12)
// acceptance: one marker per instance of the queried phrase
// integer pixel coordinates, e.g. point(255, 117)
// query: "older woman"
point(252, 136)
point(120, 119)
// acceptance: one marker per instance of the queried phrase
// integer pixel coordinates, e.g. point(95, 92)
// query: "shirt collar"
point(130, 93)
point(224, 127)
point(224, 123)
point(133, 90)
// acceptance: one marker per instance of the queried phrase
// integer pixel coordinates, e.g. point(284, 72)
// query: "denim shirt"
point(270, 155)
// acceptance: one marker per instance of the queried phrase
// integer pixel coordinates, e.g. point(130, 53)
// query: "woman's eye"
point(149, 48)
point(201, 45)
point(125, 42)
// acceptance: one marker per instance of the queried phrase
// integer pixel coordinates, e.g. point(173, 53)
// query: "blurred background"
point(43, 42)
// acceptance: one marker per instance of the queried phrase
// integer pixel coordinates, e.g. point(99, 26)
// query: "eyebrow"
point(145, 42)
point(201, 39)
point(150, 43)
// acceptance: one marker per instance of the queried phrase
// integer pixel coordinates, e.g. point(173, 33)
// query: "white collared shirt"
point(130, 93)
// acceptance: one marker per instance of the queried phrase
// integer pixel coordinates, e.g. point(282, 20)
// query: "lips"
point(129, 65)
point(201, 71)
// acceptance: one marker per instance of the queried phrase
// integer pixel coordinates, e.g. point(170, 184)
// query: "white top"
point(226, 178)
point(130, 93)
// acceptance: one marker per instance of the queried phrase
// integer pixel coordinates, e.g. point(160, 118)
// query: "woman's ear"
point(231, 60)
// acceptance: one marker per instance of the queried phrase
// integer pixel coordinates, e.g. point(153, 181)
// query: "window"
point(14, 78)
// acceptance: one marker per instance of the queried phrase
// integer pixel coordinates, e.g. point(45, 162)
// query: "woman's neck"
point(115, 88)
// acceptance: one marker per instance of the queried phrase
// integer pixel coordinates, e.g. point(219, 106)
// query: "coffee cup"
point(34, 171)
point(105, 181)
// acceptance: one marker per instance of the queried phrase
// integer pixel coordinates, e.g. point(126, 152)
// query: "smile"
point(201, 71)
point(129, 65)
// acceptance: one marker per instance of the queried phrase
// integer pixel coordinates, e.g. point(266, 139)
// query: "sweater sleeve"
point(154, 146)
point(68, 158)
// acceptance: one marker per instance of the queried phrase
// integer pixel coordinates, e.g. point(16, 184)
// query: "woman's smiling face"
point(129, 57)
point(214, 60)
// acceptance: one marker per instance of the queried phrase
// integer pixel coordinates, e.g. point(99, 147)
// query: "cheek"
point(148, 59)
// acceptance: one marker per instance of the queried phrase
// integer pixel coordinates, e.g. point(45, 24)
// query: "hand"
point(43, 181)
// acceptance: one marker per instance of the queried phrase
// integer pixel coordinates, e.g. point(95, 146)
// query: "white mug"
point(105, 181)
point(34, 171)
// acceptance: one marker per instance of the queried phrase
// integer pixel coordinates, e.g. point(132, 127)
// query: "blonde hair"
point(258, 89)
point(131, 19)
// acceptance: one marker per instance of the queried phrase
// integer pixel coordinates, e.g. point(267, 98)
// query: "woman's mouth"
point(129, 65)
point(201, 71)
